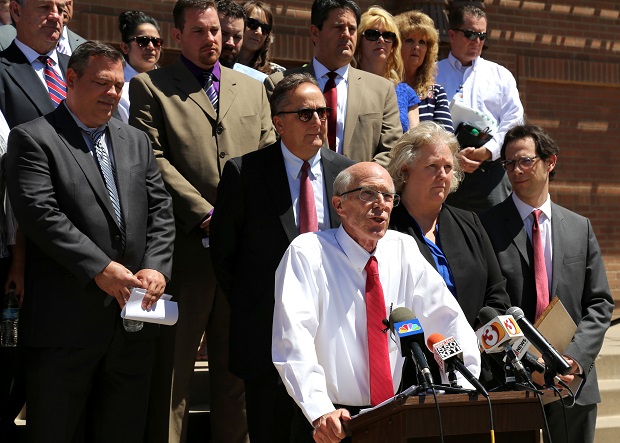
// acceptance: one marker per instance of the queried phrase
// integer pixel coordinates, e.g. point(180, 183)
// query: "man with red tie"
point(364, 124)
point(546, 250)
point(333, 290)
point(265, 199)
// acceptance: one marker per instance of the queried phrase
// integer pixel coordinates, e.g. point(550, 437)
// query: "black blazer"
point(60, 201)
point(253, 224)
point(23, 97)
point(477, 276)
point(579, 278)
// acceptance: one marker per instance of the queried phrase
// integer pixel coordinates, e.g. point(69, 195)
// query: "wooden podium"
point(465, 419)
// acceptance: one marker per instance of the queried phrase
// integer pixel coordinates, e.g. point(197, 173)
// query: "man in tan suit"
point(367, 120)
point(198, 115)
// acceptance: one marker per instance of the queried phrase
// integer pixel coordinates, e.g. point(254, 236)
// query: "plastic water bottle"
point(9, 320)
point(132, 325)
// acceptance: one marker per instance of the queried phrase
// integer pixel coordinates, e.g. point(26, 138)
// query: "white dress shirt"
point(342, 85)
point(293, 166)
point(525, 211)
point(319, 324)
point(63, 42)
point(486, 87)
point(32, 55)
point(123, 104)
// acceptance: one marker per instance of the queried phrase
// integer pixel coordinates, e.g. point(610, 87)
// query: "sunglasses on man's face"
point(143, 41)
point(473, 35)
point(254, 24)
point(372, 35)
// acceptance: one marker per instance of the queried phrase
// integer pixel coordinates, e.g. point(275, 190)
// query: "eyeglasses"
point(306, 114)
point(143, 41)
point(370, 195)
point(524, 163)
point(473, 35)
point(372, 35)
point(254, 24)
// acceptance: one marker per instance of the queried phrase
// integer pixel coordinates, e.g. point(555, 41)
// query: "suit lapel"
point(515, 228)
point(280, 191)
point(330, 171)
point(71, 135)
point(228, 93)
point(118, 139)
point(558, 231)
point(189, 86)
point(355, 93)
point(25, 78)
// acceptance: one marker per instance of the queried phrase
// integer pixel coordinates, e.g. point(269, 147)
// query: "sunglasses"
point(473, 35)
point(306, 114)
point(143, 41)
point(372, 35)
point(254, 24)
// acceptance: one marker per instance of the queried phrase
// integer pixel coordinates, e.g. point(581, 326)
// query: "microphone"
point(499, 334)
point(554, 361)
point(448, 354)
point(532, 363)
point(408, 329)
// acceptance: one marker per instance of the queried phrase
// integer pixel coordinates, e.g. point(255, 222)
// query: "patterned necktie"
point(307, 208)
point(56, 86)
point(381, 386)
point(331, 99)
point(209, 88)
point(109, 177)
point(540, 268)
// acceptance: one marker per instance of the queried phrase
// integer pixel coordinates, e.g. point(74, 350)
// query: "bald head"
point(364, 199)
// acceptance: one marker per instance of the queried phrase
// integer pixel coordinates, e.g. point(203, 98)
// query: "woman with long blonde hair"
point(420, 45)
point(378, 51)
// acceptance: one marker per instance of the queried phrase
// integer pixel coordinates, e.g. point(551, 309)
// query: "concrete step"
point(607, 429)
point(608, 362)
point(610, 398)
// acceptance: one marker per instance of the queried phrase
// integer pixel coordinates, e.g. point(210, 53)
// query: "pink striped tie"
point(56, 86)
point(381, 385)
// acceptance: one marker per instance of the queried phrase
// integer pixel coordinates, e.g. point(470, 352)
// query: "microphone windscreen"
point(433, 339)
point(487, 314)
point(516, 312)
point(400, 314)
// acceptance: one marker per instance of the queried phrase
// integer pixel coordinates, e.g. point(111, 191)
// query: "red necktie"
point(381, 386)
point(56, 86)
point(331, 99)
point(307, 208)
point(540, 268)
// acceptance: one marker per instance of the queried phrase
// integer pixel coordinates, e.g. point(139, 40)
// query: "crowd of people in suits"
point(260, 198)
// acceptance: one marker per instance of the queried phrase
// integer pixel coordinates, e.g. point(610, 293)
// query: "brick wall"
point(565, 55)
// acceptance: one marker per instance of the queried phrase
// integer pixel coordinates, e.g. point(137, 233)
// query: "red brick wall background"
point(565, 55)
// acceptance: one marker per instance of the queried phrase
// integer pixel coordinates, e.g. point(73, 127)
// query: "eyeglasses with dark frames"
point(143, 41)
point(306, 114)
point(370, 195)
point(372, 35)
point(524, 163)
point(472, 35)
point(254, 24)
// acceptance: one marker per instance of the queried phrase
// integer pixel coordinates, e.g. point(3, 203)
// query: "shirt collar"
point(32, 55)
point(293, 164)
point(82, 126)
point(357, 255)
point(320, 70)
point(456, 64)
point(198, 72)
point(525, 210)
point(129, 72)
point(64, 36)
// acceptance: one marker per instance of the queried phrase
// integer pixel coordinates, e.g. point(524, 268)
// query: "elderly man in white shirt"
point(320, 336)
point(488, 88)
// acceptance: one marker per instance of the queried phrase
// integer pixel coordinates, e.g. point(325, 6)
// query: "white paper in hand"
point(163, 312)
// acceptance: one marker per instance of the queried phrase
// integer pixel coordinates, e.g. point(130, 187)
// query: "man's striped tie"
point(55, 84)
